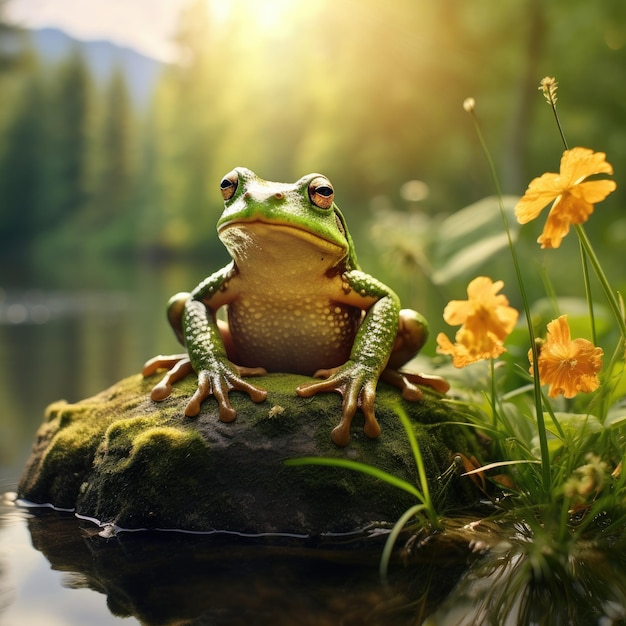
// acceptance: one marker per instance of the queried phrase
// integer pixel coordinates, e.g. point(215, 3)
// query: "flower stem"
point(550, 94)
point(549, 87)
point(541, 426)
point(604, 283)
point(494, 410)
point(592, 317)
point(558, 123)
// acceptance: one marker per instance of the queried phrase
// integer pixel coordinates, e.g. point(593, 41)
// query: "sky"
point(145, 25)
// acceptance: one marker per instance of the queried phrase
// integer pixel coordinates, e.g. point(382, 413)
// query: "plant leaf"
point(471, 237)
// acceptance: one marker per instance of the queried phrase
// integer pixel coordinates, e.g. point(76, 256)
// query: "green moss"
point(121, 458)
point(146, 472)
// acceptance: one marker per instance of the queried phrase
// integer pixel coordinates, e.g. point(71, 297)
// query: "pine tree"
point(22, 167)
point(69, 157)
point(116, 155)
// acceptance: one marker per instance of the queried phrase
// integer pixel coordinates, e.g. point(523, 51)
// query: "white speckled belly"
point(297, 335)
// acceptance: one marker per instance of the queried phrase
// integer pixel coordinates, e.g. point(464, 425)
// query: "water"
point(55, 569)
point(33, 592)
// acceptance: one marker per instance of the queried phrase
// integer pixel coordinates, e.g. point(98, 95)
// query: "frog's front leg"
point(356, 379)
point(217, 376)
point(209, 348)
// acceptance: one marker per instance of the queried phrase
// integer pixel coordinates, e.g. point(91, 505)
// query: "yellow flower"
point(486, 319)
point(569, 367)
point(573, 196)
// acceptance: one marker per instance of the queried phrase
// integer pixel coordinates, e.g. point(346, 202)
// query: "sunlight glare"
point(266, 14)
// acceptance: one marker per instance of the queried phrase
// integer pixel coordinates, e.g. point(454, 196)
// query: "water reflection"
point(174, 578)
point(160, 578)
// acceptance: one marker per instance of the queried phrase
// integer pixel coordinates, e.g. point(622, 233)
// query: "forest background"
point(368, 93)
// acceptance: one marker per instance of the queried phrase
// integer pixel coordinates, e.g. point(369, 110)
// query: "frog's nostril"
point(247, 195)
point(279, 195)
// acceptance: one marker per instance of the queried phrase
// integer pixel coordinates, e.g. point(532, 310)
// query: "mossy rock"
point(127, 461)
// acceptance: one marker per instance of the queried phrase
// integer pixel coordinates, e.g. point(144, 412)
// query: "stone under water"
point(131, 463)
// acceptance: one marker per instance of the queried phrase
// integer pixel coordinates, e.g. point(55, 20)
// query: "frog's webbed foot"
point(179, 367)
point(357, 385)
point(219, 382)
point(408, 383)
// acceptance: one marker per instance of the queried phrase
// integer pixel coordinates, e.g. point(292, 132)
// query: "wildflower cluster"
point(588, 479)
point(486, 318)
point(584, 429)
point(568, 366)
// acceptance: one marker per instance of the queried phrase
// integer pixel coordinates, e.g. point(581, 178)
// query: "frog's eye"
point(229, 183)
point(321, 192)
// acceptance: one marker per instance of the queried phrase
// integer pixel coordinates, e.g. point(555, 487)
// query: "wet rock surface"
point(127, 461)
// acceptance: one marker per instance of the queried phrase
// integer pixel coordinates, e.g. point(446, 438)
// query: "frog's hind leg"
point(408, 382)
point(412, 335)
point(178, 365)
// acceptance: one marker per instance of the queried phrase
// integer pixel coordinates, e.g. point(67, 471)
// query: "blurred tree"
point(10, 51)
point(116, 158)
point(184, 126)
point(69, 156)
point(22, 167)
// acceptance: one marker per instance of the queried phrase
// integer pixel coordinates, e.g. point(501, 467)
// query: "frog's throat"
point(265, 229)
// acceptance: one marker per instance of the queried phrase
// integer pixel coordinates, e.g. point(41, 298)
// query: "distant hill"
point(102, 58)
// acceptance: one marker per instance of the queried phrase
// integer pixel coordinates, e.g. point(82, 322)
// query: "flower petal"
point(539, 194)
point(594, 190)
point(579, 163)
point(456, 312)
point(558, 330)
point(482, 288)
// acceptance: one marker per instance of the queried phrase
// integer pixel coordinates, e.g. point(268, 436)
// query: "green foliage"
point(310, 92)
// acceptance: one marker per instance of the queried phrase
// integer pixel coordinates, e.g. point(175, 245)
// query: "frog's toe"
point(161, 391)
point(310, 389)
point(181, 369)
point(206, 388)
point(371, 428)
point(341, 434)
point(250, 371)
point(161, 362)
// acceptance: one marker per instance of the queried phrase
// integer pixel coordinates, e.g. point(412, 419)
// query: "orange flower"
point(573, 196)
point(486, 319)
point(569, 367)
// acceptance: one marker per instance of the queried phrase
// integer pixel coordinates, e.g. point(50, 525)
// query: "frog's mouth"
point(266, 233)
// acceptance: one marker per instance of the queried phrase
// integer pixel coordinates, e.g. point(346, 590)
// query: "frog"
point(296, 301)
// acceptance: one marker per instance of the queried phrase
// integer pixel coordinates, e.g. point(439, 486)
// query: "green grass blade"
point(359, 467)
point(393, 536)
point(417, 455)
